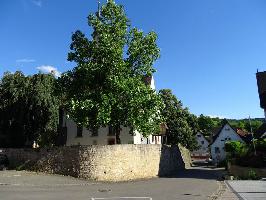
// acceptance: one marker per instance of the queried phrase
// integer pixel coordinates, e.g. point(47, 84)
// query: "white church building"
point(75, 135)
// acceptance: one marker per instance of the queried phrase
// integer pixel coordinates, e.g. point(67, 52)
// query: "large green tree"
point(107, 86)
point(207, 124)
point(182, 125)
point(28, 109)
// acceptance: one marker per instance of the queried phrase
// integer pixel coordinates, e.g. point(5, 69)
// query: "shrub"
point(252, 175)
point(251, 160)
point(236, 148)
point(222, 164)
point(260, 145)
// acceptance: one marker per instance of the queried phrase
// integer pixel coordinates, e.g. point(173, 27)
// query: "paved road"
point(193, 184)
point(249, 190)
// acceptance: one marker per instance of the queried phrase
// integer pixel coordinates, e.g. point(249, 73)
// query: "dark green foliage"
point(182, 126)
point(245, 125)
point(251, 161)
point(260, 145)
point(28, 109)
point(207, 124)
point(244, 155)
point(236, 148)
point(107, 85)
point(252, 175)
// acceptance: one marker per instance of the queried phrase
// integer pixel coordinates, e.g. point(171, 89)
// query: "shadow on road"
point(171, 159)
point(200, 171)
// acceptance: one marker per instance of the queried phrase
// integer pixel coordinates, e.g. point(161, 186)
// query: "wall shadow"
point(172, 165)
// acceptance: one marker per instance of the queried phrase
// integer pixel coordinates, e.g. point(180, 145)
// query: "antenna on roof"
point(255, 153)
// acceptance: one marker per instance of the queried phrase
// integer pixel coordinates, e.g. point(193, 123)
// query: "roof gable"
point(224, 123)
point(202, 136)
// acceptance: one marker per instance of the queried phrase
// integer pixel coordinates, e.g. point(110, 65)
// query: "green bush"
point(252, 175)
point(236, 148)
point(260, 145)
point(222, 164)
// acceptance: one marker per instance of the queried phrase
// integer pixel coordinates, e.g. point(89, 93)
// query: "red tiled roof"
point(241, 132)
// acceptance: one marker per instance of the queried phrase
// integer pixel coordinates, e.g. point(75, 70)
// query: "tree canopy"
point(107, 86)
point(208, 124)
point(182, 125)
point(28, 109)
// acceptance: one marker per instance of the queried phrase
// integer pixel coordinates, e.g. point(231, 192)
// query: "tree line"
point(28, 109)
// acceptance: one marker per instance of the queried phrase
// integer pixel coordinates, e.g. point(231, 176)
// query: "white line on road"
point(149, 198)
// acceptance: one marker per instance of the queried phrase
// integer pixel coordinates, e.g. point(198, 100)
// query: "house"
point(224, 134)
point(261, 82)
point(203, 152)
point(75, 135)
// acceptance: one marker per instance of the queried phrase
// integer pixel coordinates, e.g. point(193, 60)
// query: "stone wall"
point(243, 172)
point(104, 163)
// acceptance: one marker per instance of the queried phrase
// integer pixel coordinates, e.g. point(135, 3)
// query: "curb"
point(233, 191)
point(218, 193)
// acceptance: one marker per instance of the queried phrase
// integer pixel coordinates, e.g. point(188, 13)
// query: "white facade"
point(203, 144)
point(227, 133)
point(103, 136)
point(76, 136)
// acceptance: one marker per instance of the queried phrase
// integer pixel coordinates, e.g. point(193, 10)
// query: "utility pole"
point(99, 7)
point(255, 153)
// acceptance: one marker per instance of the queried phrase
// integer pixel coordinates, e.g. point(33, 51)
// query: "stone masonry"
point(104, 163)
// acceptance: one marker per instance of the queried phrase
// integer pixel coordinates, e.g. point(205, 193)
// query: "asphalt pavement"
point(197, 183)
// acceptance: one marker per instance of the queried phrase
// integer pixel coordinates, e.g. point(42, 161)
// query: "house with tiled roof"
point(203, 152)
point(225, 133)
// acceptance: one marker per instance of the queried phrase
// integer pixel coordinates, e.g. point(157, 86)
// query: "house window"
point(227, 129)
point(79, 131)
point(94, 132)
point(199, 135)
point(202, 142)
point(217, 150)
point(111, 141)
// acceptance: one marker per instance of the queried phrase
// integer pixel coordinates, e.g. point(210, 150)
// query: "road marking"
point(114, 198)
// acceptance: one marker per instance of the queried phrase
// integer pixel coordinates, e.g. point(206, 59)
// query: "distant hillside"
point(245, 125)
point(208, 125)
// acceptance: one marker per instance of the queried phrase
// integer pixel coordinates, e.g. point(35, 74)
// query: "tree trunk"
point(117, 134)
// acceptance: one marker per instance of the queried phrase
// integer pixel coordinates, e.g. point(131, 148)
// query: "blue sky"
point(210, 50)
